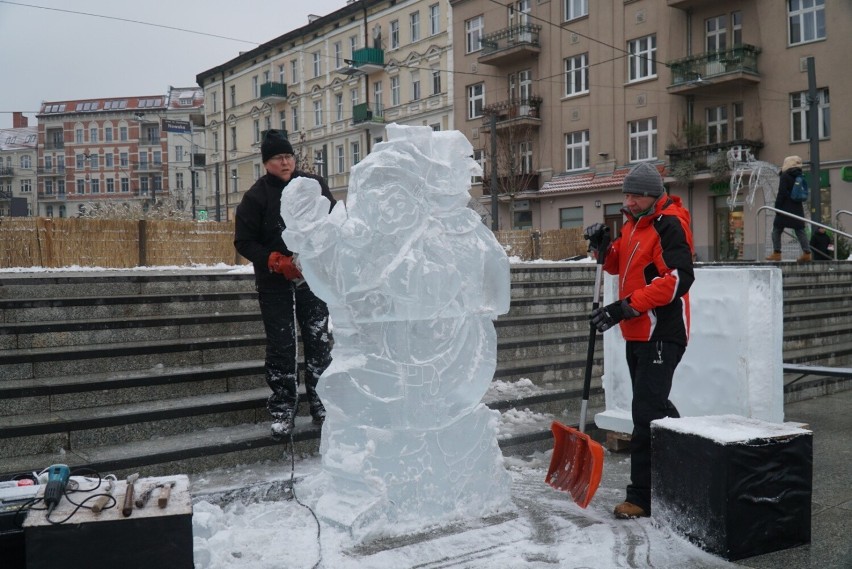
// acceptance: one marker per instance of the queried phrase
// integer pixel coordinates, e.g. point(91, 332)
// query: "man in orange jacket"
point(653, 258)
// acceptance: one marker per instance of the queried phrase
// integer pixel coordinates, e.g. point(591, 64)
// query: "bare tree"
point(517, 129)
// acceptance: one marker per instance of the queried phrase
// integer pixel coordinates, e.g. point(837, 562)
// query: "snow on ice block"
point(735, 486)
point(151, 536)
point(733, 364)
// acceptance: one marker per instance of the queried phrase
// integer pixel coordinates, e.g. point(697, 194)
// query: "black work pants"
point(281, 309)
point(652, 366)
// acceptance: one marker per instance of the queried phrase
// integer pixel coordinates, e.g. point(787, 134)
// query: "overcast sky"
point(53, 54)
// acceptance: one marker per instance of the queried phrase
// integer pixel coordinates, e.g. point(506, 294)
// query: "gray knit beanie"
point(643, 180)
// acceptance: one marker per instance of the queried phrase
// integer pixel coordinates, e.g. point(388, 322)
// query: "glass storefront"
point(730, 230)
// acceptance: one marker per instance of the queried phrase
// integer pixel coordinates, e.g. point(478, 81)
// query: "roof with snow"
point(589, 181)
point(22, 138)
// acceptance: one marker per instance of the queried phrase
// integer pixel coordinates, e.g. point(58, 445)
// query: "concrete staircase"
point(162, 371)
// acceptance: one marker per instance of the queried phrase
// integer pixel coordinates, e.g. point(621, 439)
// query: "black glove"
point(606, 317)
point(595, 234)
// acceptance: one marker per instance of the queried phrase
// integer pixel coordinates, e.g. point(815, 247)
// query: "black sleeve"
point(248, 229)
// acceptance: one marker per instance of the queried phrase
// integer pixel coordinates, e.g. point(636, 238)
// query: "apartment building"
point(580, 90)
point(17, 167)
point(333, 85)
point(119, 150)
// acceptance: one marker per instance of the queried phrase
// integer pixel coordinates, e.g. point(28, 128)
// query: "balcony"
point(149, 166)
point(52, 171)
point(690, 4)
point(705, 155)
point(54, 145)
point(367, 115)
point(273, 92)
point(150, 141)
point(6, 171)
point(510, 45)
point(733, 67)
point(514, 114)
point(366, 60)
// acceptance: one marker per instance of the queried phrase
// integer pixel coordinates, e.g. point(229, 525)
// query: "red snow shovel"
point(577, 462)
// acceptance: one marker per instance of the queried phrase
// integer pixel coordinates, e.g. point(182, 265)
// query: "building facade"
point(333, 85)
point(581, 90)
point(18, 174)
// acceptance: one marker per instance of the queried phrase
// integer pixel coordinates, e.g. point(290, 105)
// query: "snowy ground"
point(545, 529)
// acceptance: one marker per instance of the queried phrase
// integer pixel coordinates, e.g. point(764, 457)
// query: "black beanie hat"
point(274, 143)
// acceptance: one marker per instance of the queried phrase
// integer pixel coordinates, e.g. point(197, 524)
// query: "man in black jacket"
point(282, 292)
point(791, 168)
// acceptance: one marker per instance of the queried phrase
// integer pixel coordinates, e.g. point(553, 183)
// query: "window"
point(576, 9)
point(233, 138)
point(642, 60)
point(523, 220)
point(806, 19)
point(736, 29)
point(255, 87)
point(108, 134)
point(48, 186)
point(479, 158)
point(799, 127)
point(125, 185)
point(716, 33)
point(394, 34)
point(415, 85)
point(394, 81)
point(48, 162)
point(475, 100)
point(143, 160)
point(214, 98)
point(340, 159)
point(525, 154)
point(317, 113)
point(739, 121)
point(317, 63)
point(26, 186)
point(78, 136)
point(60, 187)
point(48, 210)
point(356, 152)
point(577, 75)
point(338, 55)
point(577, 150)
point(94, 161)
point(353, 96)
point(436, 81)
point(123, 159)
point(294, 71)
point(353, 44)
point(122, 133)
point(233, 93)
point(570, 217)
point(179, 153)
point(643, 139)
point(256, 130)
point(338, 105)
point(109, 160)
point(473, 34)
point(80, 161)
point(110, 185)
point(295, 117)
point(282, 120)
point(143, 185)
point(95, 185)
point(717, 124)
point(377, 93)
point(434, 19)
point(81, 186)
point(282, 76)
point(26, 161)
point(414, 20)
point(157, 183)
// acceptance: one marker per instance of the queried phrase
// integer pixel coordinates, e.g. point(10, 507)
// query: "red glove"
point(279, 263)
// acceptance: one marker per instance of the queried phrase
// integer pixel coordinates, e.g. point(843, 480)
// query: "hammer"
point(165, 492)
point(128, 495)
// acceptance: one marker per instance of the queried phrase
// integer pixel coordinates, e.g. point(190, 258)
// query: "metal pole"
point(218, 210)
point(191, 165)
point(495, 226)
point(813, 133)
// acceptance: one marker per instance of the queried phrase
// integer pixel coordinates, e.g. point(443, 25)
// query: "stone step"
point(537, 289)
point(808, 290)
point(133, 306)
point(540, 324)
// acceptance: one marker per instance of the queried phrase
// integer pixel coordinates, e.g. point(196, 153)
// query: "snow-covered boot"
point(318, 412)
point(283, 423)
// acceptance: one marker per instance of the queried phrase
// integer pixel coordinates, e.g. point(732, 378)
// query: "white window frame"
point(338, 55)
point(318, 113)
point(295, 117)
point(394, 87)
point(642, 58)
point(570, 221)
point(806, 22)
point(473, 33)
point(436, 80)
point(256, 129)
point(736, 28)
point(479, 158)
point(716, 33)
point(414, 22)
point(643, 139)
point(574, 9)
point(799, 115)
point(341, 159)
point(717, 124)
point(338, 105)
point(434, 19)
point(577, 75)
point(577, 150)
point(356, 151)
point(475, 100)
point(416, 93)
point(525, 156)
point(255, 86)
point(294, 70)
point(317, 58)
point(394, 34)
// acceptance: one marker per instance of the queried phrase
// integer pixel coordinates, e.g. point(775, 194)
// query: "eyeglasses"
point(283, 157)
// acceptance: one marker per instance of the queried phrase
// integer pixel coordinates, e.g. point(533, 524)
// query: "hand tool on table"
point(103, 500)
point(127, 509)
point(165, 492)
point(145, 496)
